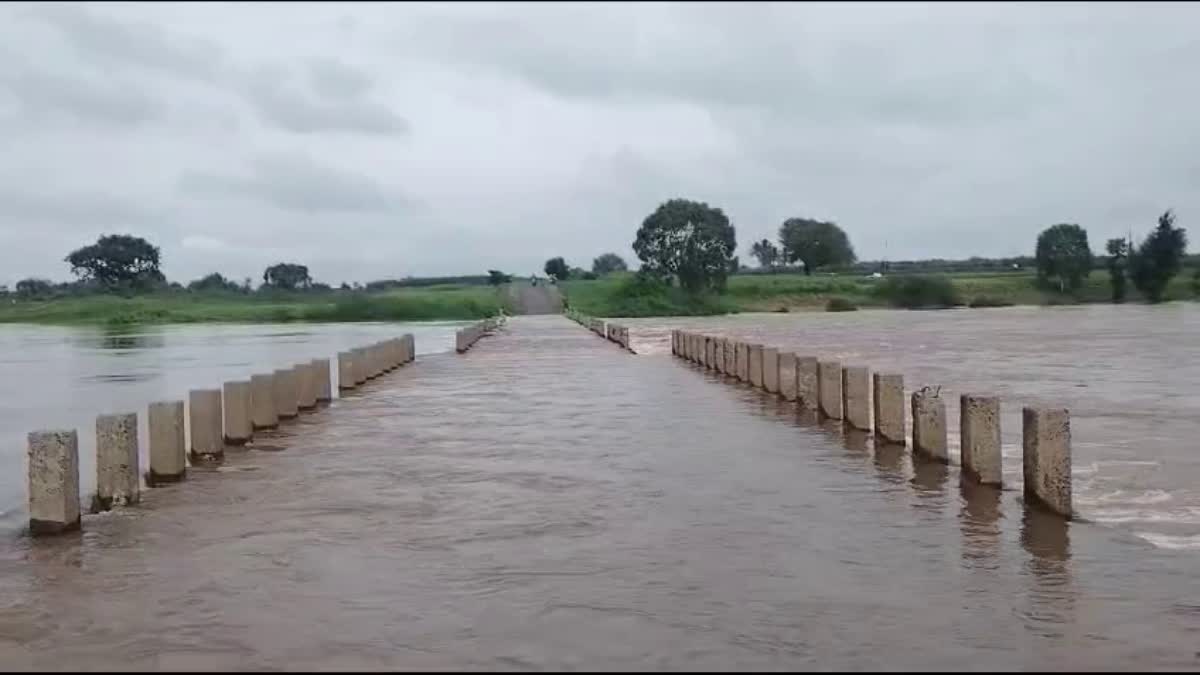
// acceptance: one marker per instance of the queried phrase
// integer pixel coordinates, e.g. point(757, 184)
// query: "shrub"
point(840, 304)
point(920, 292)
point(989, 301)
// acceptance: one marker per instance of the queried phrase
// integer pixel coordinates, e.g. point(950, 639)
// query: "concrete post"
point(306, 398)
point(239, 425)
point(285, 394)
point(168, 450)
point(743, 361)
point(929, 425)
point(360, 365)
point(53, 482)
point(787, 376)
point(722, 356)
point(204, 422)
point(117, 480)
point(674, 334)
point(324, 384)
point(410, 348)
point(889, 408)
point(1046, 458)
point(829, 389)
point(808, 382)
point(263, 413)
point(770, 366)
point(856, 397)
point(691, 347)
point(756, 365)
point(730, 357)
point(345, 361)
point(979, 427)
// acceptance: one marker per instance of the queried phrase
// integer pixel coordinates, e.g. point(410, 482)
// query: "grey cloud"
point(70, 209)
point(297, 183)
point(279, 102)
point(42, 95)
point(334, 79)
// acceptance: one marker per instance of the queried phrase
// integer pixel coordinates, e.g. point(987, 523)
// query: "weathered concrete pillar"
point(889, 408)
point(168, 449)
point(979, 438)
point(53, 458)
point(239, 424)
point(730, 357)
point(691, 347)
point(787, 376)
point(345, 361)
point(808, 389)
point(410, 348)
point(1046, 458)
point(285, 394)
point(460, 341)
point(829, 389)
point(929, 425)
point(743, 361)
point(117, 480)
point(856, 397)
point(263, 413)
point(371, 359)
point(722, 356)
point(204, 423)
point(770, 366)
point(361, 365)
point(324, 383)
point(306, 398)
point(756, 365)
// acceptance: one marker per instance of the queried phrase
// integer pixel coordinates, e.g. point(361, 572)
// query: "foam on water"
point(1172, 542)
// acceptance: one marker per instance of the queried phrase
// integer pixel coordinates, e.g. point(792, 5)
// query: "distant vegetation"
point(840, 304)
point(919, 291)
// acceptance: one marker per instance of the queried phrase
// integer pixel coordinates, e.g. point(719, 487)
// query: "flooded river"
point(550, 501)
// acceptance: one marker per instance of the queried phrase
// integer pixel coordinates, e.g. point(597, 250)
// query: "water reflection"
point(1051, 598)
point(979, 521)
point(125, 340)
point(889, 461)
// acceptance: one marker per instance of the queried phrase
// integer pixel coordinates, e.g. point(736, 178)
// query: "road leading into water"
point(541, 299)
point(551, 501)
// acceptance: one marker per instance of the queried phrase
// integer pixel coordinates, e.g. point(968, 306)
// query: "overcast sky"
point(376, 141)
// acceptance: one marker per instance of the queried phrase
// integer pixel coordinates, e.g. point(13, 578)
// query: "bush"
point(920, 292)
point(989, 301)
point(840, 304)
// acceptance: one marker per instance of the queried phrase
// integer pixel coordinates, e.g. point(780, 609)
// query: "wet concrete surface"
point(551, 501)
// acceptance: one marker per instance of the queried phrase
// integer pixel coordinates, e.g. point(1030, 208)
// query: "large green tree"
point(1159, 258)
point(607, 263)
point(214, 282)
point(287, 276)
point(1118, 258)
point(557, 268)
point(117, 260)
point(1063, 256)
point(688, 240)
point(766, 253)
point(816, 243)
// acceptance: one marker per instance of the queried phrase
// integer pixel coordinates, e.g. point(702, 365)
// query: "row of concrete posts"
point(610, 331)
point(876, 403)
point(465, 337)
point(216, 418)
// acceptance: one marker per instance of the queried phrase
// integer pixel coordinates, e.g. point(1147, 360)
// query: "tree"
point(1063, 256)
point(33, 288)
point(690, 240)
point(815, 243)
point(496, 277)
point(117, 260)
point(1158, 258)
point(766, 252)
point(287, 276)
point(1118, 254)
point(608, 263)
point(557, 268)
point(214, 282)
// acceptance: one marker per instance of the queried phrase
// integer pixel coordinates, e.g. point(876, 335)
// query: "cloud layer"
point(376, 140)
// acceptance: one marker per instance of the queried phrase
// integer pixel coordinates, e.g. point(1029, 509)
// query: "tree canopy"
point(496, 277)
point(117, 260)
point(690, 240)
point(214, 282)
point(1118, 254)
point(1063, 256)
point(608, 263)
point(816, 243)
point(557, 268)
point(1159, 258)
point(766, 253)
point(287, 276)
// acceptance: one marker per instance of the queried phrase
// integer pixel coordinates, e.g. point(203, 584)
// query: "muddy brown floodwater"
point(548, 500)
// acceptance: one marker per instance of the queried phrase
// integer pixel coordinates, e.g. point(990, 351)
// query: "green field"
point(447, 302)
point(616, 295)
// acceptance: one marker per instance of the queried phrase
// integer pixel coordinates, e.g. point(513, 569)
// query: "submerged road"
point(551, 501)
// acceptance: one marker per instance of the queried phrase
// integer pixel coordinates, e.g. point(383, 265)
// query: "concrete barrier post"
point(787, 376)
point(675, 342)
point(743, 362)
point(1046, 458)
point(324, 383)
point(730, 357)
point(307, 374)
point(722, 356)
point(361, 365)
point(263, 414)
point(285, 394)
point(856, 397)
point(756, 365)
point(168, 450)
point(829, 389)
point(345, 363)
point(204, 422)
point(929, 425)
point(117, 480)
point(53, 458)
point(239, 425)
point(889, 408)
point(808, 390)
point(770, 365)
point(410, 348)
point(979, 438)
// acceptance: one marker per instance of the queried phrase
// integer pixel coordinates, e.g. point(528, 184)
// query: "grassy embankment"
point(618, 295)
point(447, 302)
